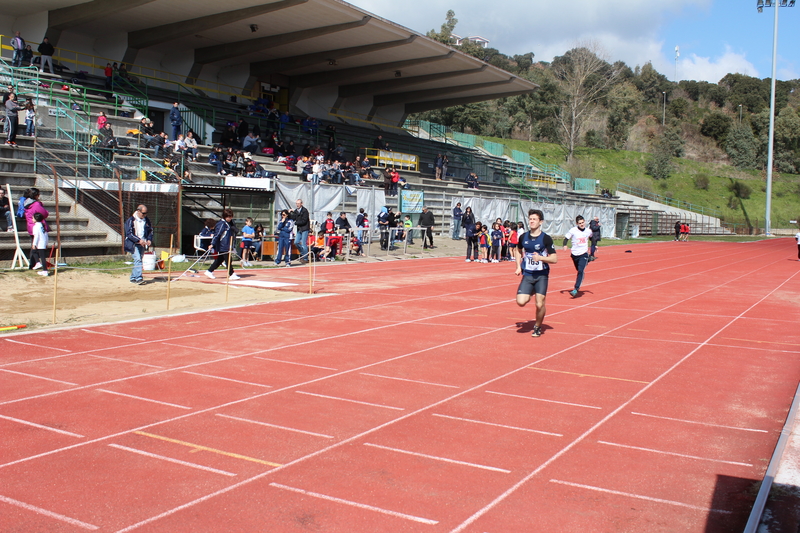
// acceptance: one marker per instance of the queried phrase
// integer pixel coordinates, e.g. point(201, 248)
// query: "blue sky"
point(715, 37)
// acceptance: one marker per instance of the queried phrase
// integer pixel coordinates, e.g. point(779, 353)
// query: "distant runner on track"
point(535, 254)
point(797, 238)
point(580, 236)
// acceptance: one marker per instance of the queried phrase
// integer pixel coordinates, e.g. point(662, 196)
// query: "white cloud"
point(699, 68)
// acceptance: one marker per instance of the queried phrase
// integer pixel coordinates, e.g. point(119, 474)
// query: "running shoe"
point(43, 273)
point(537, 331)
point(234, 277)
point(37, 266)
point(210, 275)
point(573, 293)
point(470, 260)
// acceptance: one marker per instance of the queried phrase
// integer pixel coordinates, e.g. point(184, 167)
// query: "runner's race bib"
point(532, 265)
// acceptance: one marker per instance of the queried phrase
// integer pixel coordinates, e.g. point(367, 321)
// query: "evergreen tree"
point(741, 146)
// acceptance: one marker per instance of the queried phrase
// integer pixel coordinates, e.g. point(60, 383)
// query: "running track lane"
point(382, 440)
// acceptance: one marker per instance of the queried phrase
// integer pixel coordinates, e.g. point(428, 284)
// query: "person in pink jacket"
point(34, 205)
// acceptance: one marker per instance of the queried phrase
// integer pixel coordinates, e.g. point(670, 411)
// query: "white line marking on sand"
point(110, 334)
point(410, 380)
point(497, 425)
point(638, 496)
point(672, 453)
point(38, 346)
point(227, 379)
point(123, 361)
point(171, 460)
point(38, 377)
point(436, 458)
point(294, 363)
point(542, 400)
point(700, 423)
point(356, 504)
point(41, 426)
point(276, 426)
point(349, 400)
point(143, 399)
point(45, 512)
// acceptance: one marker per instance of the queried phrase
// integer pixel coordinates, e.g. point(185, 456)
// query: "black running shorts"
point(531, 285)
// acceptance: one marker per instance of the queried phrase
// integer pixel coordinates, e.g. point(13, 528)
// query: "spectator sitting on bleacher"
point(107, 139)
point(179, 146)
point(278, 150)
point(357, 164)
point(336, 174)
point(101, 120)
point(159, 143)
point(216, 158)
point(338, 153)
point(228, 137)
point(306, 150)
point(289, 149)
point(251, 142)
point(191, 145)
point(367, 166)
point(472, 180)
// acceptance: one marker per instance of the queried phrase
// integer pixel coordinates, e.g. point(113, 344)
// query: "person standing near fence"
point(594, 225)
point(302, 223)
point(138, 236)
point(285, 227)
point(457, 214)
point(12, 119)
point(18, 45)
point(46, 50)
point(580, 236)
point(176, 120)
point(797, 238)
point(678, 230)
point(427, 221)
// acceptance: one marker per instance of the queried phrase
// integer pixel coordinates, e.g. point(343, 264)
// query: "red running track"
point(411, 397)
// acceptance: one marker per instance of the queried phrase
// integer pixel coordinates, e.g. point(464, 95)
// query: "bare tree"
point(584, 77)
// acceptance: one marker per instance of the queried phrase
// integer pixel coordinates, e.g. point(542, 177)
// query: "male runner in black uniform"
point(535, 254)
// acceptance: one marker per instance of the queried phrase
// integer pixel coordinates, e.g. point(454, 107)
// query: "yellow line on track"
point(199, 448)
point(586, 375)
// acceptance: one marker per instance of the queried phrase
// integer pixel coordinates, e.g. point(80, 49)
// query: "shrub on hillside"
point(739, 189)
point(701, 182)
point(594, 139)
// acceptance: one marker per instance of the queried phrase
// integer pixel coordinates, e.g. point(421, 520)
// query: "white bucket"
point(148, 261)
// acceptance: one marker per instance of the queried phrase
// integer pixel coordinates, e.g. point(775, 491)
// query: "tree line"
point(584, 100)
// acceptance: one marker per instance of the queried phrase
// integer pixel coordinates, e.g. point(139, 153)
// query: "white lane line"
point(349, 400)
point(45, 512)
point(38, 377)
point(639, 496)
point(227, 379)
point(700, 423)
point(355, 504)
point(672, 453)
point(436, 458)
point(410, 380)
point(110, 334)
point(123, 361)
point(497, 425)
point(543, 400)
point(171, 460)
point(143, 399)
point(294, 363)
point(187, 347)
point(19, 421)
point(276, 426)
point(38, 346)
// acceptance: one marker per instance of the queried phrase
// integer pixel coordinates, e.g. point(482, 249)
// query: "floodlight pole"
point(776, 4)
point(664, 114)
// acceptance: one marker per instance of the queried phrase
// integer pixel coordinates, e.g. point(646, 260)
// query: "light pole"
point(740, 113)
point(664, 113)
point(761, 4)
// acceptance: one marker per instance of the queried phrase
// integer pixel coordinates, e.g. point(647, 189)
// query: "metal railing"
point(95, 64)
point(672, 202)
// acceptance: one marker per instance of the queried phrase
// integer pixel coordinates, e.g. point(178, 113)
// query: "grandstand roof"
point(296, 43)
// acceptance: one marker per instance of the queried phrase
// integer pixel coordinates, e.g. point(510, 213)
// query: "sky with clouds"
point(715, 37)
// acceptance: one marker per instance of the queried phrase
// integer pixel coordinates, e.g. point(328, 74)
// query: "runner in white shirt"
point(797, 238)
point(580, 236)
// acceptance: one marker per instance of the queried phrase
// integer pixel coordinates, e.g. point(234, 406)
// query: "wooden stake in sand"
point(55, 283)
point(169, 269)
point(228, 267)
point(310, 273)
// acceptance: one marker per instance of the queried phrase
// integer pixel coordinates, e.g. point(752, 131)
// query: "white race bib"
point(532, 265)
